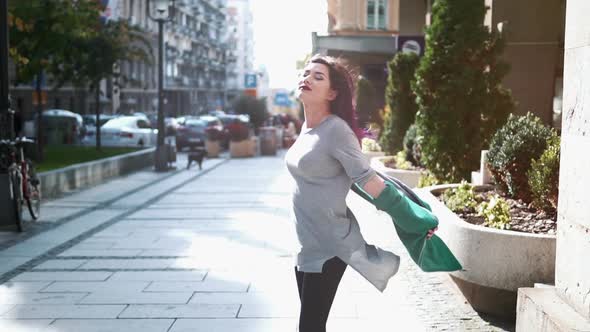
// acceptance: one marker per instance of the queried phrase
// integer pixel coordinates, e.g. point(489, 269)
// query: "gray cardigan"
point(324, 162)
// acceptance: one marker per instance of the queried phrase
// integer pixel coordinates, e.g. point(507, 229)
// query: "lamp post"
point(6, 114)
point(163, 12)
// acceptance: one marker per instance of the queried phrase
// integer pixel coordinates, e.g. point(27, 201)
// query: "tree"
point(400, 100)
point(255, 108)
point(113, 42)
point(41, 35)
point(458, 86)
point(366, 103)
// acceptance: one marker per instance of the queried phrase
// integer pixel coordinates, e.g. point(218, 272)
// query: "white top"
point(324, 162)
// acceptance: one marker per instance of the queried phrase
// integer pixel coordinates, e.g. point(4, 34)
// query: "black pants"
point(316, 292)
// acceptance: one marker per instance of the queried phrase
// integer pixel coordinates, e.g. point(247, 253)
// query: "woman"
point(324, 161)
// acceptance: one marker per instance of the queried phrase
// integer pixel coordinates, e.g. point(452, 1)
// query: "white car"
point(128, 131)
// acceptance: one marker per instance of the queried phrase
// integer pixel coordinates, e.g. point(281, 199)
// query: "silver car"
point(128, 131)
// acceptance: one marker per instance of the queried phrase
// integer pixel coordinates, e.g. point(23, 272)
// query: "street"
point(207, 250)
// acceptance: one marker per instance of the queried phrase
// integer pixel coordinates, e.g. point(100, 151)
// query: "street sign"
point(282, 99)
point(411, 44)
point(250, 81)
point(251, 92)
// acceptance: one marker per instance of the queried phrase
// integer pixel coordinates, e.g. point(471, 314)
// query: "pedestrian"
point(324, 161)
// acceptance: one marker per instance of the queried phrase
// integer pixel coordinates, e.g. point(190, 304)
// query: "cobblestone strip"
point(440, 307)
point(68, 244)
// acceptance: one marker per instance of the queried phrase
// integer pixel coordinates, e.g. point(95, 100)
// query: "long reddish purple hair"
point(341, 81)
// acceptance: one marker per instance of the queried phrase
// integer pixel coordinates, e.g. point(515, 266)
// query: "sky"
point(282, 35)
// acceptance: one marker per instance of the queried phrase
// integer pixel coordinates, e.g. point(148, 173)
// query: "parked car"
point(59, 127)
point(215, 128)
point(90, 127)
point(191, 134)
point(128, 131)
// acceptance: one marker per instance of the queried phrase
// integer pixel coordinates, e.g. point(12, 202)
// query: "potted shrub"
point(213, 142)
point(240, 144)
point(504, 234)
point(371, 148)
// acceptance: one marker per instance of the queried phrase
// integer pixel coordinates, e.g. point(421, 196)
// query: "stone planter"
point(242, 149)
point(496, 262)
point(372, 154)
point(213, 148)
point(409, 177)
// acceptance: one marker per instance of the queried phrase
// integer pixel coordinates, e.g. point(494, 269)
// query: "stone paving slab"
point(63, 311)
point(62, 276)
point(25, 325)
point(40, 298)
point(159, 276)
point(95, 286)
point(76, 252)
point(128, 297)
point(241, 325)
point(110, 325)
point(61, 264)
point(129, 264)
point(208, 285)
point(181, 311)
point(23, 286)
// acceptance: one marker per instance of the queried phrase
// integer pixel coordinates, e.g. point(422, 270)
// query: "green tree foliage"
point(401, 101)
point(544, 177)
point(366, 103)
point(255, 108)
point(458, 86)
point(41, 36)
point(115, 41)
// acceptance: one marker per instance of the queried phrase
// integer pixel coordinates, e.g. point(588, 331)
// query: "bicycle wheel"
point(17, 202)
point(34, 191)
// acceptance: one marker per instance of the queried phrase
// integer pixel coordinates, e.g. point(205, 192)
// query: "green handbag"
point(412, 218)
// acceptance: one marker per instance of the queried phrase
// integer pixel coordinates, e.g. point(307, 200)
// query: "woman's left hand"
point(431, 232)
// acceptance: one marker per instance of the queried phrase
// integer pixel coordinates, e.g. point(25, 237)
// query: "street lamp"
point(6, 115)
point(163, 12)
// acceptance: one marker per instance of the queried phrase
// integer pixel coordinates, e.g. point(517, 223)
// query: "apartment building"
point(241, 34)
point(195, 61)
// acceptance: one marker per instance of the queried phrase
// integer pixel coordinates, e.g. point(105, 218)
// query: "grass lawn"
point(59, 156)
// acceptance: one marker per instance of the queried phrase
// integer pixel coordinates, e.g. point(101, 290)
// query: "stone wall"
point(573, 239)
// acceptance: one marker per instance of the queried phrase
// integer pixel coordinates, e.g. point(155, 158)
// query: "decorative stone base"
point(242, 149)
point(542, 310)
point(213, 148)
point(493, 301)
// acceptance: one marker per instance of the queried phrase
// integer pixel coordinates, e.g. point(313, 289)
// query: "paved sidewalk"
point(200, 251)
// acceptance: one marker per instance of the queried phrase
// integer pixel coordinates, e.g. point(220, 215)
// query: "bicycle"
point(24, 185)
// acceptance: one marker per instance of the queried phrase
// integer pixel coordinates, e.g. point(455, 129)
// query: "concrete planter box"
point(213, 148)
point(409, 177)
point(496, 262)
point(372, 154)
point(242, 149)
point(59, 181)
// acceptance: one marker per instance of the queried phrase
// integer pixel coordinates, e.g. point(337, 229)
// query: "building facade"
point(534, 31)
point(240, 33)
point(566, 305)
point(366, 33)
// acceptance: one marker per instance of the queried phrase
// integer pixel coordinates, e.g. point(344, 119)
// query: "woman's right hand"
point(431, 232)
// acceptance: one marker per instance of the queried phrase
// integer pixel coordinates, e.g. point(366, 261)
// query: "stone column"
point(566, 307)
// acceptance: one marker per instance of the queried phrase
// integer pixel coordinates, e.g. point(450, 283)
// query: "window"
point(376, 14)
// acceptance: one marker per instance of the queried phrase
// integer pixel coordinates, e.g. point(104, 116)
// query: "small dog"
point(196, 154)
